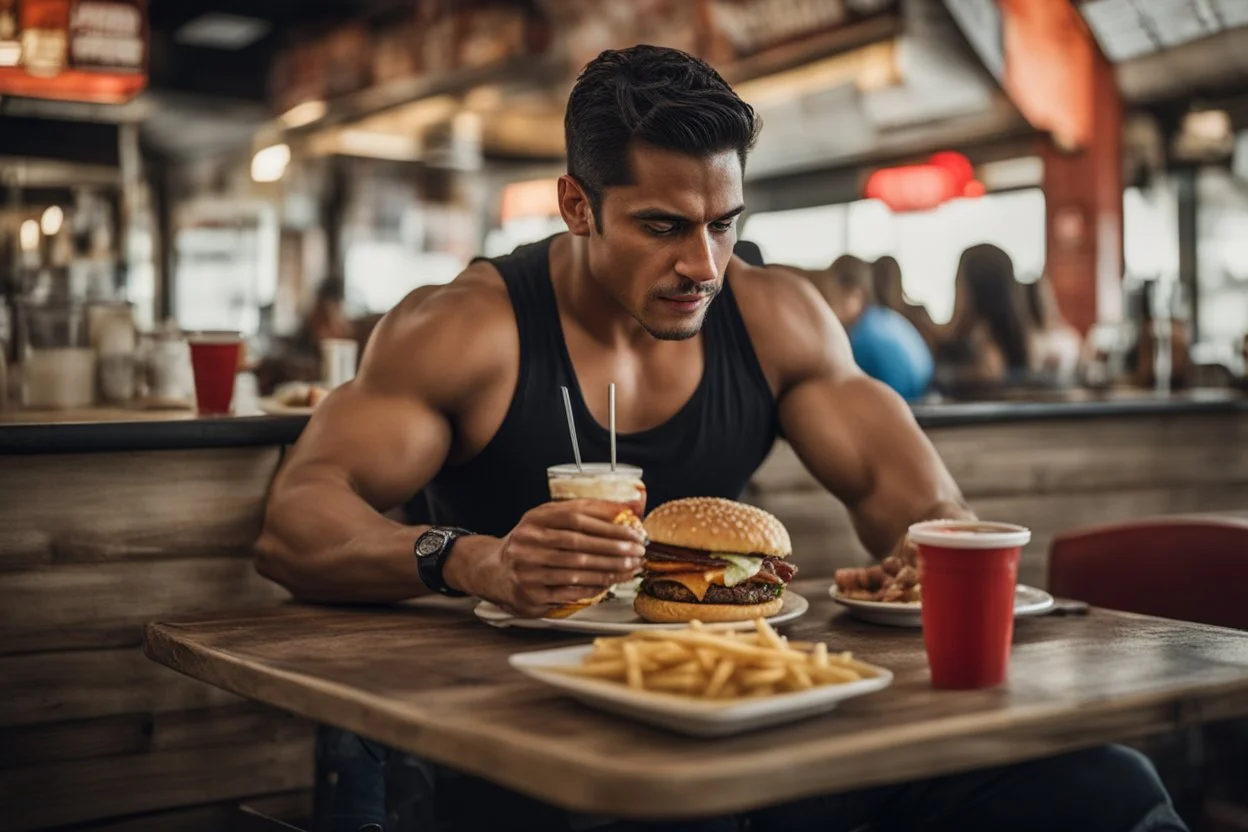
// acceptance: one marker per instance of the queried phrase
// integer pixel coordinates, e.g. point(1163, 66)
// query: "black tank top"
point(711, 447)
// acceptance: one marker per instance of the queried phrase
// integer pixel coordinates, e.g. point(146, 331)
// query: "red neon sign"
point(945, 176)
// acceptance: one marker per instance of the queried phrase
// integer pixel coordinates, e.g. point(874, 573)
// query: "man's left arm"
point(855, 434)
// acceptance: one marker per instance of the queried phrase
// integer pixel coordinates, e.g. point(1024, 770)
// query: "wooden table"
point(431, 679)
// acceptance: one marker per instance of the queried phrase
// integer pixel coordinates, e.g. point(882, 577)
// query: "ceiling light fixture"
point(28, 235)
point(52, 220)
point(269, 164)
point(303, 114)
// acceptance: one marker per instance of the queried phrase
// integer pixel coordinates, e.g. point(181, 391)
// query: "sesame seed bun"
point(718, 525)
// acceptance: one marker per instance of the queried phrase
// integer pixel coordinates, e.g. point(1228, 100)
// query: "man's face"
point(665, 241)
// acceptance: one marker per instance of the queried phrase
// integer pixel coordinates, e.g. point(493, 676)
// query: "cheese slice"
point(698, 582)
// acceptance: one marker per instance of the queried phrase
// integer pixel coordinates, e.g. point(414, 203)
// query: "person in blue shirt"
point(886, 345)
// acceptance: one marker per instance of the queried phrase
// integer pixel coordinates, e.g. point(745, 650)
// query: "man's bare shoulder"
point(464, 330)
point(793, 329)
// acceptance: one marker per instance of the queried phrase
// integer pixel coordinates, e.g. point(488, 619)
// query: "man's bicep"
point(861, 441)
point(383, 446)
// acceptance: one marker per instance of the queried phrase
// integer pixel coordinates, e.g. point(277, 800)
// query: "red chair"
point(1189, 568)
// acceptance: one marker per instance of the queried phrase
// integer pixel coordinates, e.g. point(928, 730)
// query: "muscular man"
point(458, 394)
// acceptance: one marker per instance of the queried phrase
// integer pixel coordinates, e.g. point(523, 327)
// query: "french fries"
point(706, 664)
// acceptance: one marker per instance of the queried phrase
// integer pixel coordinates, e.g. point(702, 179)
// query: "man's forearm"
point(325, 544)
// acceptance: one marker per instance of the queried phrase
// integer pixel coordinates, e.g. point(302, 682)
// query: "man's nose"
point(697, 259)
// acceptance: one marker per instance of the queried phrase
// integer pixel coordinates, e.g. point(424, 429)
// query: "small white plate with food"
point(703, 683)
point(293, 399)
point(1028, 601)
point(616, 615)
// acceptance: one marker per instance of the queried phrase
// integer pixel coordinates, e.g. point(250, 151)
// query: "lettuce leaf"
point(739, 569)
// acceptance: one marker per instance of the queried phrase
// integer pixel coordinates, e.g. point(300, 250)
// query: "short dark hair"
point(651, 95)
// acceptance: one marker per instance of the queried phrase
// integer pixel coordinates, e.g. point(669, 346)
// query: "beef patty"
point(751, 592)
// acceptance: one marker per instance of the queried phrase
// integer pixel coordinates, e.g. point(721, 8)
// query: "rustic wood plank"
point(111, 506)
point(87, 606)
point(59, 687)
point(79, 790)
point(291, 807)
point(110, 736)
point(432, 679)
point(235, 725)
point(1074, 455)
point(113, 736)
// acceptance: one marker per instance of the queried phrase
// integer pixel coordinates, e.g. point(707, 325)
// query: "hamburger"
point(624, 518)
point(713, 560)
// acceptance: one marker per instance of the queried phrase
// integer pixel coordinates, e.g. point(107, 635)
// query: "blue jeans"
point(1105, 789)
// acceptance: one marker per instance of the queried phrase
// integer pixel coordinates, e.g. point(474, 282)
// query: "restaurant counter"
point(106, 525)
point(121, 430)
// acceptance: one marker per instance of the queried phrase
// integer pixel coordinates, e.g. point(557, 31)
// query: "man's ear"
point(574, 207)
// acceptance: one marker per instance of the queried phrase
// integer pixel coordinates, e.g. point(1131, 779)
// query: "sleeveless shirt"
point(709, 448)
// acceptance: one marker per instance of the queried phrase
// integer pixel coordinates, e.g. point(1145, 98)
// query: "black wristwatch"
point(432, 549)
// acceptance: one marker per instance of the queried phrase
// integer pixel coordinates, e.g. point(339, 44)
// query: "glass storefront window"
point(1222, 257)
point(927, 244)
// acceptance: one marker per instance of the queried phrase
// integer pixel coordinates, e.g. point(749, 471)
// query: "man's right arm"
point(370, 445)
point(383, 436)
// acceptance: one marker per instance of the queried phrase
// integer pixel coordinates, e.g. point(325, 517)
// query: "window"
point(1222, 256)
point(927, 244)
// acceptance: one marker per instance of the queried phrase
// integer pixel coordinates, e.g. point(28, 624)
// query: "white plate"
point(272, 407)
point(616, 616)
point(687, 715)
point(1027, 601)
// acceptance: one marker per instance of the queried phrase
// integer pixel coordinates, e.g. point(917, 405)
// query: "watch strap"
point(432, 549)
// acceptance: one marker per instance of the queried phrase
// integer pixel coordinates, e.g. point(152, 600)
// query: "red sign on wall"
point(79, 50)
point(943, 177)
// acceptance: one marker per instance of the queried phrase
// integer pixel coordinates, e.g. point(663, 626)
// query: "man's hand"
point(558, 553)
point(905, 553)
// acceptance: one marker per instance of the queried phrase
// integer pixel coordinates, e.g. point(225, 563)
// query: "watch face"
point(430, 544)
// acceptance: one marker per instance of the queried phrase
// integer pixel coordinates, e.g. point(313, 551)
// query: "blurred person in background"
point(1055, 344)
point(296, 359)
point(885, 345)
point(889, 292)
point(987, 342)
point(328, 317)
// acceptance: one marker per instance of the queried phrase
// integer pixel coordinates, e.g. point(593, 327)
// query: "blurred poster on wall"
point(584, 28)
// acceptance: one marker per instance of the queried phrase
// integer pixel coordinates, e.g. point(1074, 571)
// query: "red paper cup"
point(968, 570)
point(215, 358)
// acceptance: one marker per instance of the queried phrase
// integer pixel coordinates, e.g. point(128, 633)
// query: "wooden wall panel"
point(93, 546)
point(85, 606)
point(59, 793)
point(135, 733)
point(291, 807)
point(1081, 455)
point(111, 506)
point(84, 684)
